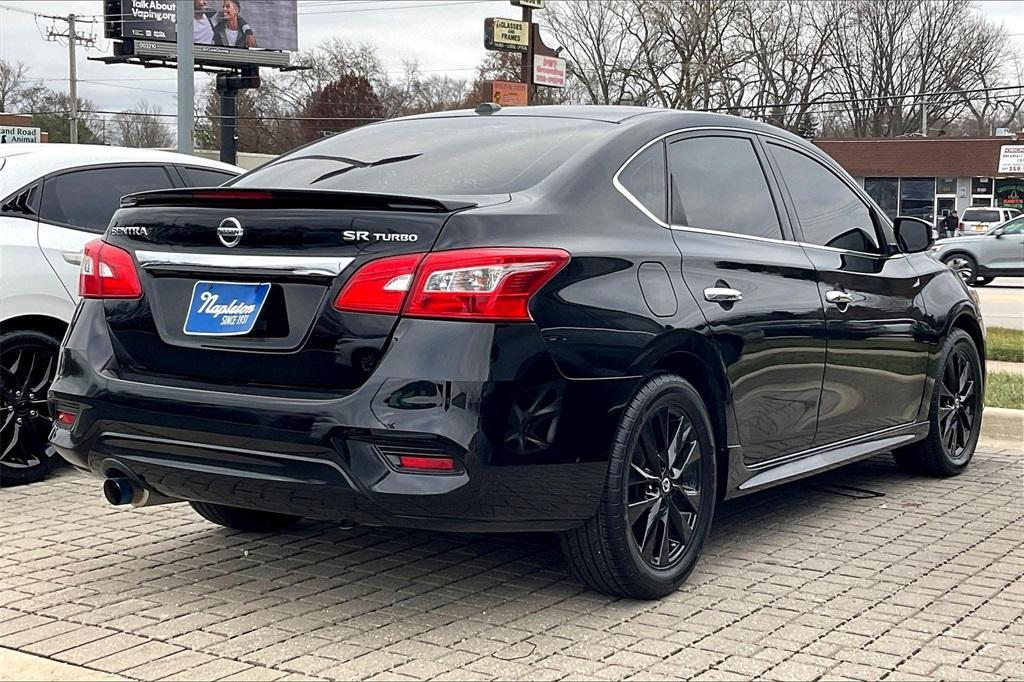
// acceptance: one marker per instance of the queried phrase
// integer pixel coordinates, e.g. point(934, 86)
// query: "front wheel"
point(658, 499)
point(963, 265)
point(955, 412)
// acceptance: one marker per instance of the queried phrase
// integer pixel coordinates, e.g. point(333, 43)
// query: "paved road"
point(911, 578)
point(1002, 302)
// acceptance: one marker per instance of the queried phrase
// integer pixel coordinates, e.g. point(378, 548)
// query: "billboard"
point(224, 31)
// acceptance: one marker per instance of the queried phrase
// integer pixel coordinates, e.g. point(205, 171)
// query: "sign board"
point(1010, 193)
point(506, 93)
point(246, 29)
point(506, 34)
point(1011, 158)
point(532, 4)
point(549, 71)
point(12, 134)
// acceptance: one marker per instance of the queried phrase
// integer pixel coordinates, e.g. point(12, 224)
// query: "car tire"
point(28, 362)
point(954, 415)
point(963, 265)
point(251, 520)
point(653, 502)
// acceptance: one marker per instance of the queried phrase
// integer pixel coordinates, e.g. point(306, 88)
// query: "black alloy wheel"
point(958, 404)
point(659, 496)
point(954, 416)
point(664, 491)
point(28, 362)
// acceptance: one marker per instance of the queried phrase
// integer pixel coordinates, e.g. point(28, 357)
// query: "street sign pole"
point(186, 76)
point(527, 63)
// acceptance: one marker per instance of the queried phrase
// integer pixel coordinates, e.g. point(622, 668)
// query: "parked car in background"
point(522, 319)
point(979, 259)
point(53, 199)
point(980, 219)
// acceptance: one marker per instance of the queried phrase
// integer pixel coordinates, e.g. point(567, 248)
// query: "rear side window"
point(434, 156)
point(718, 184)
point(830, 213)
point(644, 179)
point(981, 216)
point(87, 198)
point(204, 177)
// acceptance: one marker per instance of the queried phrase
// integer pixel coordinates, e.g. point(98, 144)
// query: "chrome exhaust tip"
point(120, 490)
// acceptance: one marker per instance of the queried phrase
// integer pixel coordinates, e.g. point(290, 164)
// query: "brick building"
point(923, 176)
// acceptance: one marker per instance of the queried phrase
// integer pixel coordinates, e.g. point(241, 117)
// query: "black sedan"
point(598, 321)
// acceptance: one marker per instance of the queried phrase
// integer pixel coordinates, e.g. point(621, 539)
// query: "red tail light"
point(379, 286)
point(488, 285)
point(108, 272)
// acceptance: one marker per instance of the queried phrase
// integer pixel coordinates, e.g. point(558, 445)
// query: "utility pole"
point(72, 81)
point(74, 39)
point(186, 76)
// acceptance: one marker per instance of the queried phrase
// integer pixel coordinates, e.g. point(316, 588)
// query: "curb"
point(1001, 423)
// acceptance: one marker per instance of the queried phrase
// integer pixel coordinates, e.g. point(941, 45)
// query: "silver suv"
point(979, 259)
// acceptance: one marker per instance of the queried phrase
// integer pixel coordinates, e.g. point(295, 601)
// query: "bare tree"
point(14, 85)
point(141, 126)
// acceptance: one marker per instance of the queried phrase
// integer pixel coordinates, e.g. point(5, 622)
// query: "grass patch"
point(1005, 390)
point(1004, 344)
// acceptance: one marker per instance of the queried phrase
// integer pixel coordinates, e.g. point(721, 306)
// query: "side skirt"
point(744, 479)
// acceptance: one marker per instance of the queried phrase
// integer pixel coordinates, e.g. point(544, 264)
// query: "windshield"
point(433, 156)
point(1012, 226)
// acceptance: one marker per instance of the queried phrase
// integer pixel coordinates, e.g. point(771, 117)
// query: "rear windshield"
point(459, 155)
point(982, 216)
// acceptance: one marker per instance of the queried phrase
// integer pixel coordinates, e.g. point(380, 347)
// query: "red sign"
point(507, 93)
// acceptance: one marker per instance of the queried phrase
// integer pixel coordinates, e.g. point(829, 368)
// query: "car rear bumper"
point(336, 458)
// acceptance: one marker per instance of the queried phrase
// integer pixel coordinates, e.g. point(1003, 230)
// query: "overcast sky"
point(443, 36)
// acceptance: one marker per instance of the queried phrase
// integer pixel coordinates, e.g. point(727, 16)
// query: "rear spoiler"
point(236, 197)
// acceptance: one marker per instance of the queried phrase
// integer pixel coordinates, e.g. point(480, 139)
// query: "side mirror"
point(912, 234)
point(998, 233)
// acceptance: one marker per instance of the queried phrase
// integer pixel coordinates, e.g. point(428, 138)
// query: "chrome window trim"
point(295, 265)
point(859, 191)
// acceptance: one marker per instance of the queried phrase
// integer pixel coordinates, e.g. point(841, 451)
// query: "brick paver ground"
point(926, 581)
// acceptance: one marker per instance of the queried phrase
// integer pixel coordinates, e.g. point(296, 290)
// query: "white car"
point(54, 198)
point(979, 219)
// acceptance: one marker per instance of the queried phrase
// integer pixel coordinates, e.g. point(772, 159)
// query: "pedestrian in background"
point(951, 223)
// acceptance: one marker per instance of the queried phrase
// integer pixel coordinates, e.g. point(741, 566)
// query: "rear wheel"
point(658, 500)
point(244, 519)
point(28, 362)
point(955, 413)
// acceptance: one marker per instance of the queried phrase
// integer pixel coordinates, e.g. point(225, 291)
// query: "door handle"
point(72, 257)
point(722, 295)
point(839, 298)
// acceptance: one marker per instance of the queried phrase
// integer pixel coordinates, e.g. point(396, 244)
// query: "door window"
point(1015, 227)
point(830, 212)
point(87, 198)
point(718, 184)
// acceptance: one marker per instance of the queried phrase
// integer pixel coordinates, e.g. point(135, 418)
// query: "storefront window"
point(885, 192)
point(981, 186)
point(945, 185)
point(917, 196)
point(1010, 193)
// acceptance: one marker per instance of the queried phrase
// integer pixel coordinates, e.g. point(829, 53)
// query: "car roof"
point(23, 162)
